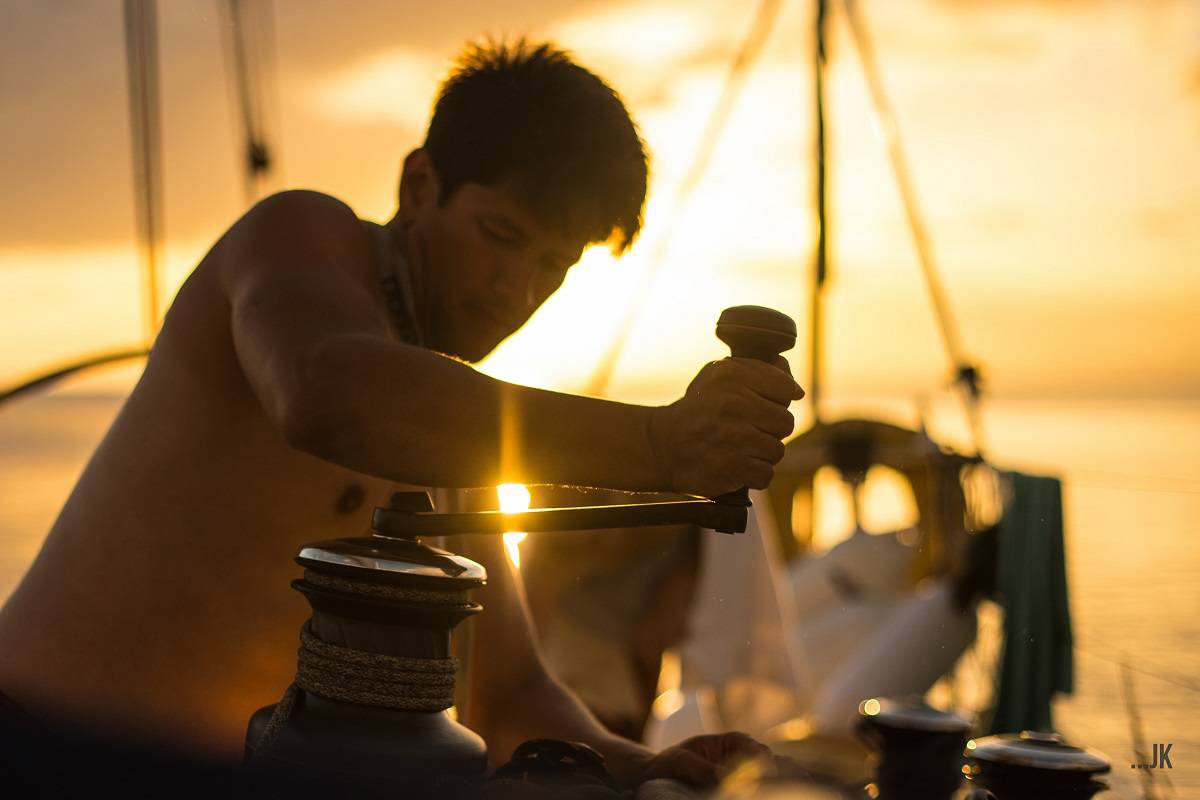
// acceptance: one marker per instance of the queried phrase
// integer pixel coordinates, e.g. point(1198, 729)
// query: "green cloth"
point(1032, 582)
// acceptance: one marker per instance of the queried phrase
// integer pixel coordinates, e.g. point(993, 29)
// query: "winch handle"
point(754, 332)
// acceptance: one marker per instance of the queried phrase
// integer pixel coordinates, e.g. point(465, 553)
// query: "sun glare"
point(514, 498)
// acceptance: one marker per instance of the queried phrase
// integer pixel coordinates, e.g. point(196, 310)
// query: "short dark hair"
point(526, 113)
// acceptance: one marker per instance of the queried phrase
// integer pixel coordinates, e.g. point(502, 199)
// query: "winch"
point(919, 748)
point(921, 756)
point(375, 676)
point(1034, 765)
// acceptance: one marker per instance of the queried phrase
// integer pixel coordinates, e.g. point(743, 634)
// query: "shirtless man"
point(291, 387)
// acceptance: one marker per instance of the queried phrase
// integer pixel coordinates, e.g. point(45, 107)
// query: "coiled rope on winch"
point(349, 675)
point(357, 676)
point(430, 597)
point(373, 679)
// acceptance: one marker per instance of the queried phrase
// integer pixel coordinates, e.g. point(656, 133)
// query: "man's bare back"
point(166, 572)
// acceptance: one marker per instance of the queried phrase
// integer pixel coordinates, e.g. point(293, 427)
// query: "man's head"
point(529, 158)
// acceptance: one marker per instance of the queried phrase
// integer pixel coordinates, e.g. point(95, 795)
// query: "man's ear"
point(419, 185)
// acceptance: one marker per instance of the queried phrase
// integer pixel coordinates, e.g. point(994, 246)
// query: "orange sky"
point(1054, 146)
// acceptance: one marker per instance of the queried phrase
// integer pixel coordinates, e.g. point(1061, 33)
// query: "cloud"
point(643, 32)
point(394, 87)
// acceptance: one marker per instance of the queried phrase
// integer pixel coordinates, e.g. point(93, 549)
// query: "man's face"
point(488, 263)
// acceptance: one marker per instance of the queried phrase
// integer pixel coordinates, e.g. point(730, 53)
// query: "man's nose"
point(515, 284)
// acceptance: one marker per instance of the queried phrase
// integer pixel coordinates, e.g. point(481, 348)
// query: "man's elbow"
point(313, 415)
point(308, 427)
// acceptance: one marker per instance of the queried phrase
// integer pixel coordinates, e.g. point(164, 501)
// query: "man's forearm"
point(544, 708)
point(512, 696)
point(414, 416)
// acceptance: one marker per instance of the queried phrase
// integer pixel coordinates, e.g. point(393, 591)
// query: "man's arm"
point(512, 697)
point(312, 340)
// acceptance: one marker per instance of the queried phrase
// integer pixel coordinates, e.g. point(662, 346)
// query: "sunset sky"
point(1055, 148)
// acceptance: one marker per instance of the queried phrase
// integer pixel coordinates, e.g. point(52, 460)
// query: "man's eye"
point(498, 235)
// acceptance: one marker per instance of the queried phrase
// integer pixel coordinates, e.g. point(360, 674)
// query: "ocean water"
point(1132, 504)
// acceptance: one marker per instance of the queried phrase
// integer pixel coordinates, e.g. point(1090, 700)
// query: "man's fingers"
point(702, 761)
point(683, 765)
point(727, 427)
point(772, 419)
point(726, 749)
point(769, 381)
point(737, 743)
point(765, 447)
point(759, 474)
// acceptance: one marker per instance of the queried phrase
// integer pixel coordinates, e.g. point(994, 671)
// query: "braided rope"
point(428, 596)
point(369, 679)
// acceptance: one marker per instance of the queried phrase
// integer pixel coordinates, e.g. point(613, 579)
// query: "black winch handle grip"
point(754, 332)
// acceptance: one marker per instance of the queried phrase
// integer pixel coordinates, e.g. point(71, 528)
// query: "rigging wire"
point(1136, 735)
point(47, 379)
point(141, 50)
point(254, 76)
point(735, 79)
point(821, 257)
point(1157, 673)
point(262, 22)
point(145, 123)
point(268, 69)
point(966, 373)
point(244, 36)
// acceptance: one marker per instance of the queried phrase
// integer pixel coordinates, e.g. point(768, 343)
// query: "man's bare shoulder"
point(307, 204)
point(294, 228)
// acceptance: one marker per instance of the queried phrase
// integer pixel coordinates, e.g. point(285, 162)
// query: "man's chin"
point(471, 352)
